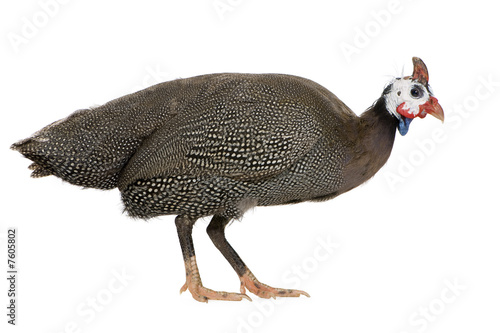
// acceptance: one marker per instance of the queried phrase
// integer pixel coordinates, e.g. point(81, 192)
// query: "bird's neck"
point(377, 129)
point(374, 140)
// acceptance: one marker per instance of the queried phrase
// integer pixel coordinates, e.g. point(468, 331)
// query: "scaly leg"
point(193, 280)
point(216, 232)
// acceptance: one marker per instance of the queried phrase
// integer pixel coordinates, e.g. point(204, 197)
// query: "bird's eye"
point(416, 92)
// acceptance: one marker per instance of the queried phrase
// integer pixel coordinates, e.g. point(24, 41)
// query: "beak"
point(433, 108)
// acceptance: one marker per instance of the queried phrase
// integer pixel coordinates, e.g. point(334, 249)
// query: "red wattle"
point(403, 110)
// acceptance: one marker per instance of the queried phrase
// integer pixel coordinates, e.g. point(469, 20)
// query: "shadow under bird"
point(219, 144)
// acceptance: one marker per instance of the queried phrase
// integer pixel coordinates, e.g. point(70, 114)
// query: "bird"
point(220, 144)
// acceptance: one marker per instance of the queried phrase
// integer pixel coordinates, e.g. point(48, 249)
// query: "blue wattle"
point(404, 125)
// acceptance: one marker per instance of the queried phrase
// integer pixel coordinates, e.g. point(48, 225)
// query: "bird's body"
point(242, 140)
point(218, 145)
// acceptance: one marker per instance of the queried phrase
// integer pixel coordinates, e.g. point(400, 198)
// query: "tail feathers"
point(80, 161)
point(29, 149)
point(40, 171)
point(90, 147)
point(22, 146)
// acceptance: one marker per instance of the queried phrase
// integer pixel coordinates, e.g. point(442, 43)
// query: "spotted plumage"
point(221, 144)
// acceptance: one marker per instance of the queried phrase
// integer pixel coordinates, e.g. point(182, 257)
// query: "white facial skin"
point(407, 91)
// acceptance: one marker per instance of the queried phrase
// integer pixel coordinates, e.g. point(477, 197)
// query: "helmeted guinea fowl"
point(220, 144)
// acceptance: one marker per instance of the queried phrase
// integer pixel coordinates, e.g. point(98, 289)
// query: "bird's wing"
point(242, 130)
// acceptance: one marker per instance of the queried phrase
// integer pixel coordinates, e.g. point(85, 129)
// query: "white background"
point(427, 220)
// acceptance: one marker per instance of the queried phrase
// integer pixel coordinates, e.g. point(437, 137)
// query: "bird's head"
point(409, 97)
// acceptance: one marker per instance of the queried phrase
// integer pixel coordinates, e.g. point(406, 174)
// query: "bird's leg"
point(193, 280)
point(216, 232)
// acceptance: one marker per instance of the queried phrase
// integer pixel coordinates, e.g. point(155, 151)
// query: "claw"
point(183, 288)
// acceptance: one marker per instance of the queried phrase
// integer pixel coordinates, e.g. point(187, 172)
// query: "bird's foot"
point(250, 282)
point(202, 294)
